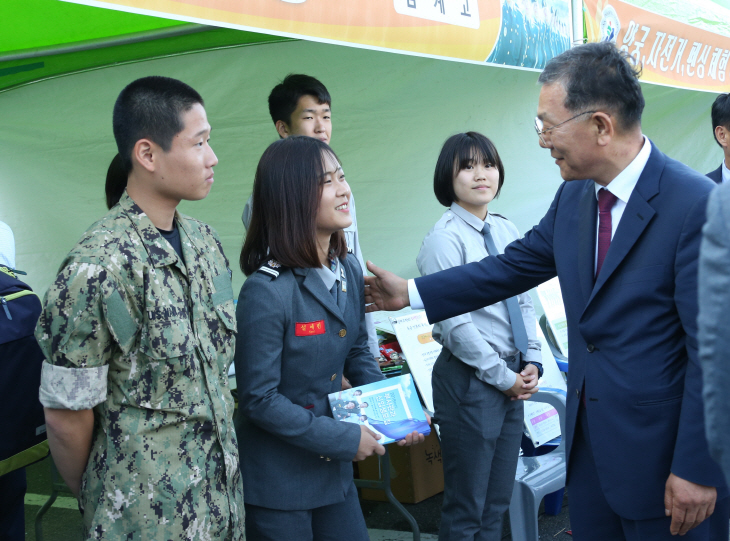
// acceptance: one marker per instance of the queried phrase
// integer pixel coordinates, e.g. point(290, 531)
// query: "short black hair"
point(721, 113)
point(598, 76)
point(285, 96)
point(151, 108)
point(148, 108)
point(287, 190)
point(459, 151)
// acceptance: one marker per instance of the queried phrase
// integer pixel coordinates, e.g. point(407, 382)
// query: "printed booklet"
point(389, 407)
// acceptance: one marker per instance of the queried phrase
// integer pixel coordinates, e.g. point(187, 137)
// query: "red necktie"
point(606, 200)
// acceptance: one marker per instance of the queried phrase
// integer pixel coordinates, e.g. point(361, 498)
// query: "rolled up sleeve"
point(76, 338)
point(72, 388)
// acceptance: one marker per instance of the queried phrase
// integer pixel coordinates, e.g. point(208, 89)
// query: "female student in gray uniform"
point(301, 325)
point(489, 356)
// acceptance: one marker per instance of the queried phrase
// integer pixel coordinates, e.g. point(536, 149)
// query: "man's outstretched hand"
point(385, 290)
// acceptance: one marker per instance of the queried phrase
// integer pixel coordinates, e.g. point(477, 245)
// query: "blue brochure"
point(389, 407)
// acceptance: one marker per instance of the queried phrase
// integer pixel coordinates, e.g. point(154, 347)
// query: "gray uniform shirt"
point(483, 337)
point(353, 245)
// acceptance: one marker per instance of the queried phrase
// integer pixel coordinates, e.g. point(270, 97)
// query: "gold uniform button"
point(343, 332)
point(333, 376)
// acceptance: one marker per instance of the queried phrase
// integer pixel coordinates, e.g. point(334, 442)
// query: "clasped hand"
point(525, 384)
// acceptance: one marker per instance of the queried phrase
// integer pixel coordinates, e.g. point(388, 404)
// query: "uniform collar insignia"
point(271, 268)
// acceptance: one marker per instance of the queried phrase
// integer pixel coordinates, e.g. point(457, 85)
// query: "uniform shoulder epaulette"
point(497, 215)
point(445, 219)
point(272, 267)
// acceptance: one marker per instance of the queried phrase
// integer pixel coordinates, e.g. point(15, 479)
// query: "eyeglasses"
point(539, 125)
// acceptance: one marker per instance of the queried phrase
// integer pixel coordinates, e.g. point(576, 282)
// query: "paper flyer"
point(414, 334)
point(551, 299)
point(541, 422)
point(382, 319)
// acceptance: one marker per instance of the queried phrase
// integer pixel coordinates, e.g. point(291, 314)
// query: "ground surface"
point(63, 523)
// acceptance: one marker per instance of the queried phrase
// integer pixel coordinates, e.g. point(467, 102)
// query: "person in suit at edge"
point(302, 105)
point(482, 363)
point(623, 236)
point(712, 322)
point(301, 326)
point(721, 132)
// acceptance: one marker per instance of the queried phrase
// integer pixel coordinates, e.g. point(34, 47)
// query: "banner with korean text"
point(671, 53)
point(520, 33)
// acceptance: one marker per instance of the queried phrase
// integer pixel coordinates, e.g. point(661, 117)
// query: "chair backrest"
point(550, 339)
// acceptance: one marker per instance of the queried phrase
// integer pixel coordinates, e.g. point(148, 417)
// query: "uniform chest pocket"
point(219, 335)
point(166, 369)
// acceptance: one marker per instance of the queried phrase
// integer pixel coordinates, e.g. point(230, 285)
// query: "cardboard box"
point(416, 472)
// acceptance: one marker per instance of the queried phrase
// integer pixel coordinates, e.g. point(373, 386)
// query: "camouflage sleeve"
point(72, 388)
point(86, 318)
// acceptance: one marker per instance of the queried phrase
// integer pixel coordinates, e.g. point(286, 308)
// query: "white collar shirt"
point(328, 277)
point(622, 187)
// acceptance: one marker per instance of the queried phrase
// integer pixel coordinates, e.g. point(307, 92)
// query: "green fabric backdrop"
point(391, 113)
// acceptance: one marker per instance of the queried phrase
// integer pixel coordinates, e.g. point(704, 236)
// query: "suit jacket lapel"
point(587, 213)
point(313, 283)
point(636, 217)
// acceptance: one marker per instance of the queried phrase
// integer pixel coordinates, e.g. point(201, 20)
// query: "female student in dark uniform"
point(301, 326)
point(490, 356)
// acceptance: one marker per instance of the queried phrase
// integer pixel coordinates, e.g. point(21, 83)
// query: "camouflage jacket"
point(146, 341)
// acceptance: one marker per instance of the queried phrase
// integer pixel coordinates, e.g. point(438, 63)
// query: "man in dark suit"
point(721, 131)
point(622, 235)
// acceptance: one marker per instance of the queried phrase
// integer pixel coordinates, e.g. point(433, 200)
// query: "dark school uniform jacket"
point(294, 343)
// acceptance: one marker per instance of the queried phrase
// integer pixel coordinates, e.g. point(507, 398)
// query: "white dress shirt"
point(482, 338)
point(622, 187)
point(328, 276)
point(725, 173)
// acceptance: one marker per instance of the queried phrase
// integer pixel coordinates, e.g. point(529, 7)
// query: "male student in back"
point(301, 105)
point(721, 131)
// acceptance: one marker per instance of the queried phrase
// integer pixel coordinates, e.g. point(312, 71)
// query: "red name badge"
point(311, 328)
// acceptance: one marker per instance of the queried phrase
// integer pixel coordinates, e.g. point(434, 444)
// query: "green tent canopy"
point(391, 114)
point(46, 38)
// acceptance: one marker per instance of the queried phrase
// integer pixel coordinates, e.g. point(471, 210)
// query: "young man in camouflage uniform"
point(138, 334)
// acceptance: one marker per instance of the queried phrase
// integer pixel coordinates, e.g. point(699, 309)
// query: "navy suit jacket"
point(294, 455)
point(716, 175)
point(632, 331)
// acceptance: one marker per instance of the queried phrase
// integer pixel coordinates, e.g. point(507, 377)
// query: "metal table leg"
point(384, 484)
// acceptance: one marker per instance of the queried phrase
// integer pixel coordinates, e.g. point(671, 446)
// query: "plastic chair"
point(537, 477)
point(560, 359)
